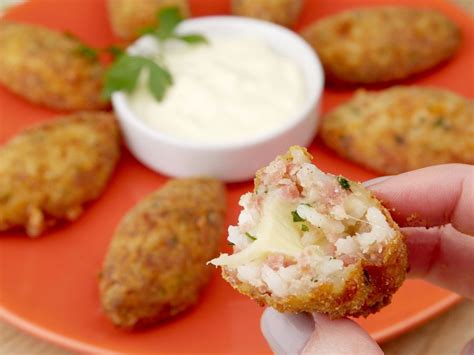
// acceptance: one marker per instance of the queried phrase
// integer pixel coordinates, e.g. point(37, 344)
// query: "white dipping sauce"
point(228, 91)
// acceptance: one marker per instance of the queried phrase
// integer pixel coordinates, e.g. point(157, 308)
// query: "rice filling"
point(302, 228)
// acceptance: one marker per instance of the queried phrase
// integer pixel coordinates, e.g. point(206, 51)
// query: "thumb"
point(340, 336)
point(295, 334)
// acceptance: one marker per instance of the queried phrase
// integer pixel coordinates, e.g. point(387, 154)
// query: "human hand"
point(434, 207)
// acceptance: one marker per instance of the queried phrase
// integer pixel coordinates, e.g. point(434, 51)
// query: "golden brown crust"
point(380, 44)
point(48, 172)
point(282, 12)
point(368, 287)
point(402, 128)
point(128, 17)
point(47, 67)
point(156, 266)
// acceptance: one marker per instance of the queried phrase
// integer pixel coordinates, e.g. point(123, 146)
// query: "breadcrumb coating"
point(382, 44)
point(402, 128)
point(156, 266)
point(48, 172)
point(282, 12)
point(49, 68)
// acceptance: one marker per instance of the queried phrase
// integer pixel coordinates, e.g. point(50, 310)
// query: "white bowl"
point(227, 161)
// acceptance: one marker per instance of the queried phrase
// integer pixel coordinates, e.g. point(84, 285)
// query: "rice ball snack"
point(281, 12)
point(382, 44)
point(307, 241)
point(402, 128)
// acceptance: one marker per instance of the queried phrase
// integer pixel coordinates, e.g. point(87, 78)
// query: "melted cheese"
point(276, 233)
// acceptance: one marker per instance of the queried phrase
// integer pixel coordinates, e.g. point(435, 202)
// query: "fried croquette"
point(48, 172)
point(307, 241)
point(129, 17)
point(402, 128)
point(282, 12)
point(50, 68)
point(382, 44)
point(156, 266)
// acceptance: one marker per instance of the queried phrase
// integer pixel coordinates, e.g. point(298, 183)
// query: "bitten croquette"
point(402, 128)
point(156, 266)
point(48, 172)
point(382, 44)
point(50, 68)
point(307, 241)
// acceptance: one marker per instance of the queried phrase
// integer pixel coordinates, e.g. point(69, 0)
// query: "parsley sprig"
point(297, 217)
point(87, 52)
point(83, 49)
point(168, 19)
point(124, 72)
point(345, 184)
point(114, 51)
point(250, 236)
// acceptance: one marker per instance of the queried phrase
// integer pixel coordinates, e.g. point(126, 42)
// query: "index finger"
point(432, 196)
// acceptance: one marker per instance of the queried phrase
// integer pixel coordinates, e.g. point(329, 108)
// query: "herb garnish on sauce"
point(250, 236)
point(345, 184)
point(125, 71)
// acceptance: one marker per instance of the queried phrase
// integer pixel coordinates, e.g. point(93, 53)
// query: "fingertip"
point(437, 254)
point(339, 336)
point(286, 333)
point(417, 198)
point(468, 348)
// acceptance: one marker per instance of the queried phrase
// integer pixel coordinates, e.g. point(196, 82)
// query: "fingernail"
point(469, 348)
point(286, 333)
point(375, 180)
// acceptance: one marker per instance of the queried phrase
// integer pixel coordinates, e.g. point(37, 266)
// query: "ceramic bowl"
point(237, 161)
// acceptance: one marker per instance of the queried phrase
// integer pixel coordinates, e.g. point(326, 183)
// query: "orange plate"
point(49, 284)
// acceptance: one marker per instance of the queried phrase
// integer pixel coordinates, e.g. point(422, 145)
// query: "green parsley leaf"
point(124, 73)
point(345, 184)
point(168, 19)
point(192, 39)
point(82, 48)
point(250, 236)
point(159, 79)
point(146, 31)
point(304, 228)
point(296, 217)
point(115, 51)
point(442, 123)
point(70, 35)
point(87, 52)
